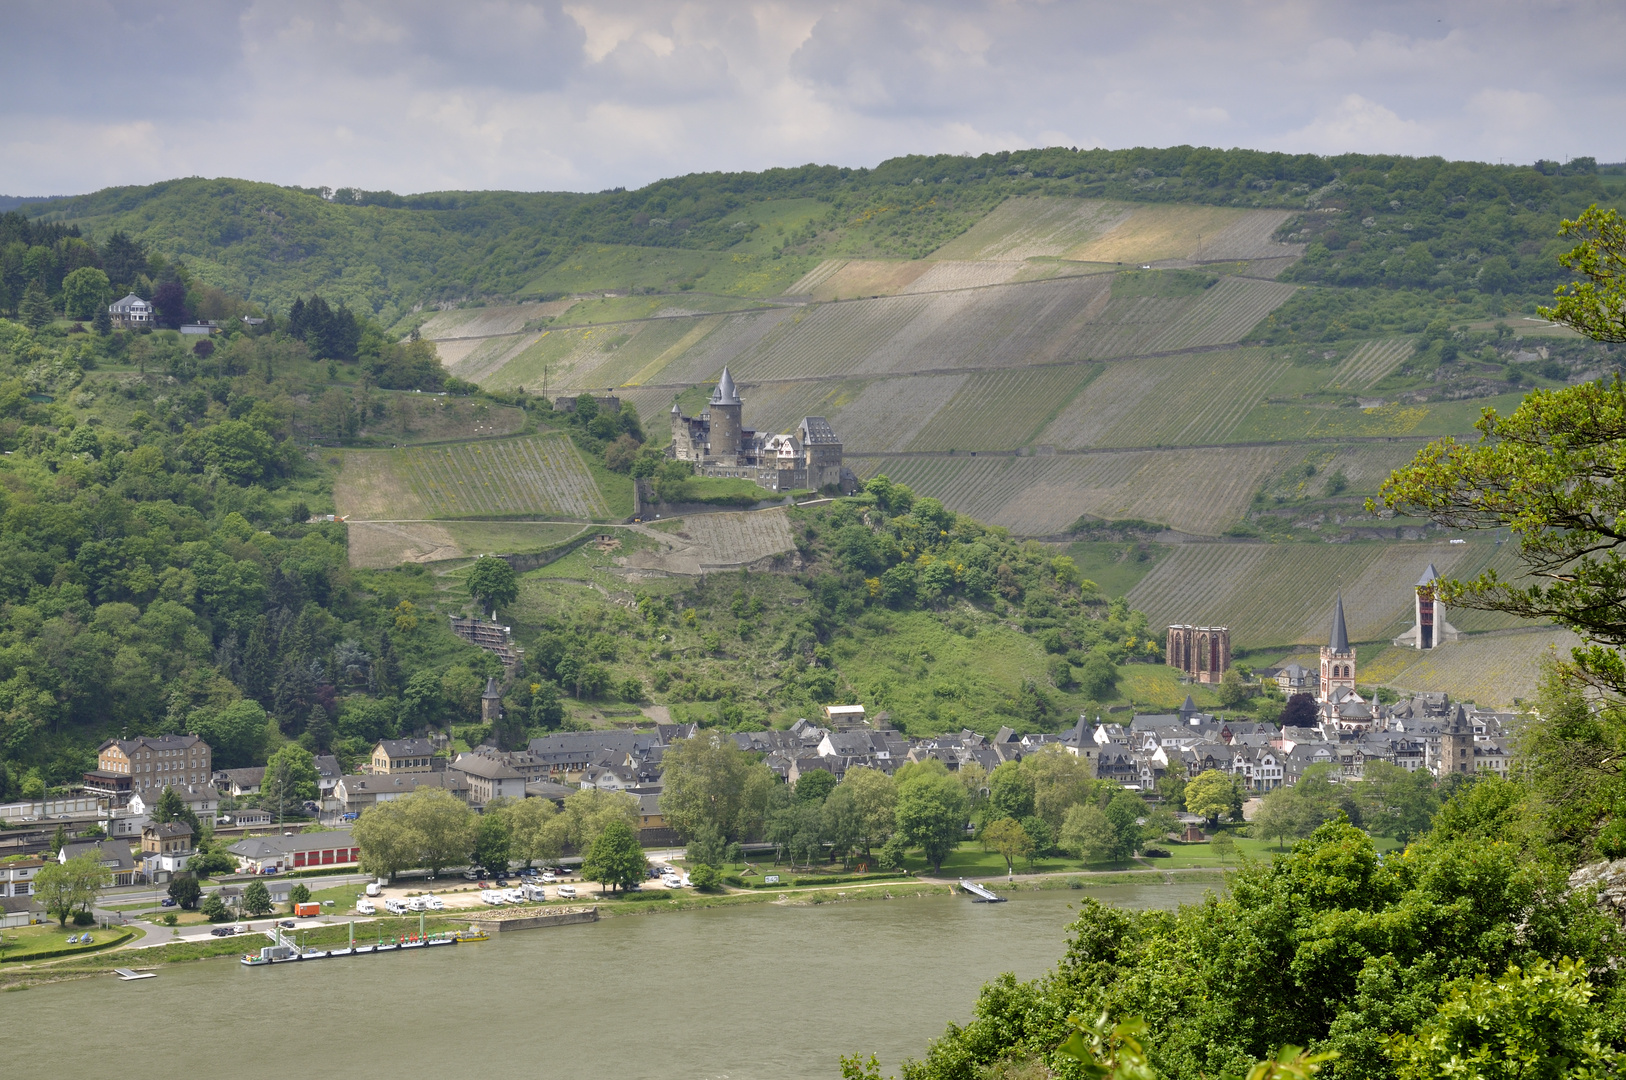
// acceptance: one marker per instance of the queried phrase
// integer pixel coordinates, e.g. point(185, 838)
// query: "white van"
point(415, 904)
point(365, 907)
point(374, 888)
point(433, 902)
point(567, 892)
point(395, 907)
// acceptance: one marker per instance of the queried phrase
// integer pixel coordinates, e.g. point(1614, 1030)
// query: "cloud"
point(587, 94)
point(1357, 125)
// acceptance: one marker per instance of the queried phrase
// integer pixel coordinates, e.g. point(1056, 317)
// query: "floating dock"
point(130, 976)
point(979, 894)
point(282, 951)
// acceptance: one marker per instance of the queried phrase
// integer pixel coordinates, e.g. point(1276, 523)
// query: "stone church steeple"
point(1337, 655)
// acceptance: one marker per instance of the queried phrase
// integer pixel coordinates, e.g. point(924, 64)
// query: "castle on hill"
point(720, 445)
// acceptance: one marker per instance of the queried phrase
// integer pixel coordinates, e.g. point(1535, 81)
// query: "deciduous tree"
point(931, 810)
point(492, 583)
point(709, 781)
point(1010, 840)
point(615, 859)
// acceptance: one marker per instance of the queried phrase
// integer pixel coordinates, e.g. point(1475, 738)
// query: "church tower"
point(725, 420)
point(1337, 656)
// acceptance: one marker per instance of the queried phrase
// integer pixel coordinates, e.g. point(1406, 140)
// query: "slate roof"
point(1338, 642)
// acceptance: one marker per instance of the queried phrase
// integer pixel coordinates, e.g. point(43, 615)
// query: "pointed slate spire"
point(1339, 642)
point(491, 690)
point(1428, 575)
point(1078, 732)
point(725, 394)
point(1189, 707)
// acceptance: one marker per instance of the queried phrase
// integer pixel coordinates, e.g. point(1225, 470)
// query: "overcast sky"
point(418, 96)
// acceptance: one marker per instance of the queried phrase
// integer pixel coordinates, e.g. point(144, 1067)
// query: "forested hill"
point(386, 253)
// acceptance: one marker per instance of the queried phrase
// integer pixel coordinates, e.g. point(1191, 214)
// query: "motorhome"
point(395, 907)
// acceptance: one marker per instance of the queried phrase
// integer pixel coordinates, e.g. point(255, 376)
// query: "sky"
point(411, 95)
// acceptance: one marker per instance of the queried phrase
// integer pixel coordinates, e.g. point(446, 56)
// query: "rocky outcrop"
point(1609, 878)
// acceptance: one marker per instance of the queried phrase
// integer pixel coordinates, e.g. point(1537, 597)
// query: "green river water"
point(739, 992)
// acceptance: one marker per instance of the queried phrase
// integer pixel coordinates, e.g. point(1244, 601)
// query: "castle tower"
point(725, 420)
point(1337, 656)
point(491, 703)
point(1429, 630)
point(1456, 745)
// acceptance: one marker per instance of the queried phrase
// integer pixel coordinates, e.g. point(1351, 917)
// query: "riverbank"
point(655, 902)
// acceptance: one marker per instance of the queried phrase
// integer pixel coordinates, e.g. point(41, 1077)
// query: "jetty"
point(981, 894)
point(499, 922)
point(283, 951)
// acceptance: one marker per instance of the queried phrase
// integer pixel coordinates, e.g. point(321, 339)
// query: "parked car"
point(471, 875)
point(547, 875)
point(352, 816)
point(502, 883)
point(166, 902)
point(287, 924)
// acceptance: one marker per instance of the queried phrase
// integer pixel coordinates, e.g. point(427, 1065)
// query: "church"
point(720, 445)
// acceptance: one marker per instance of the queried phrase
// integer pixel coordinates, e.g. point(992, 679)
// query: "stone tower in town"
point(726, 427)
point(1457, 745)
point(491, 703)
point(1337, 655)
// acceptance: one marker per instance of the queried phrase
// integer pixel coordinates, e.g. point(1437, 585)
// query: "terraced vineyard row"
point(1283, 594)
point(889, 413)
point(1002, 410)
point(963, 275)
point(729, 540)
point(1251, 237)
point(1200, 399)
point(1197, 491)
point(1026, 228)
point(542, 475)
point(1497, 670)
point(1224, 313)
point(1369, 363)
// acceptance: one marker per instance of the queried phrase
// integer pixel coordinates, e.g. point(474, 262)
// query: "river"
point(737, 992)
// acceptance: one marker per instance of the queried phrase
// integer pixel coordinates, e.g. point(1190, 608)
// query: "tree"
point(1279, 816)
point(1597, 306)
point(1301, 711)
point(256, 899)
point(35, 309)
point(874, 795)
point(236, 734)
point(102, 321)
point(535, 830)
point(1010, 790)
point(1397, 802)
point(185, 892)
point(1098, 678)
point(386, 842)
point(442, 827)
point(705, 878)
point(589, 812)
point(1533, 1021)
point(493, 842)
point(211, 860)
point(815, 786)
point(171, 807)
point(615, 859)
point(290, 778)
point(1224, 846)
point(1233, 692)
point(1087, 835)
point(214, 908)
point(85, 291)
point(1125, 811)
point(1209, 795)
point(1010, 840)
point(1060, 781)
point(59, 840)
point(930, 811)
point(492, 583)
point(66, 887)
point(299, 894)
point(709, 781)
